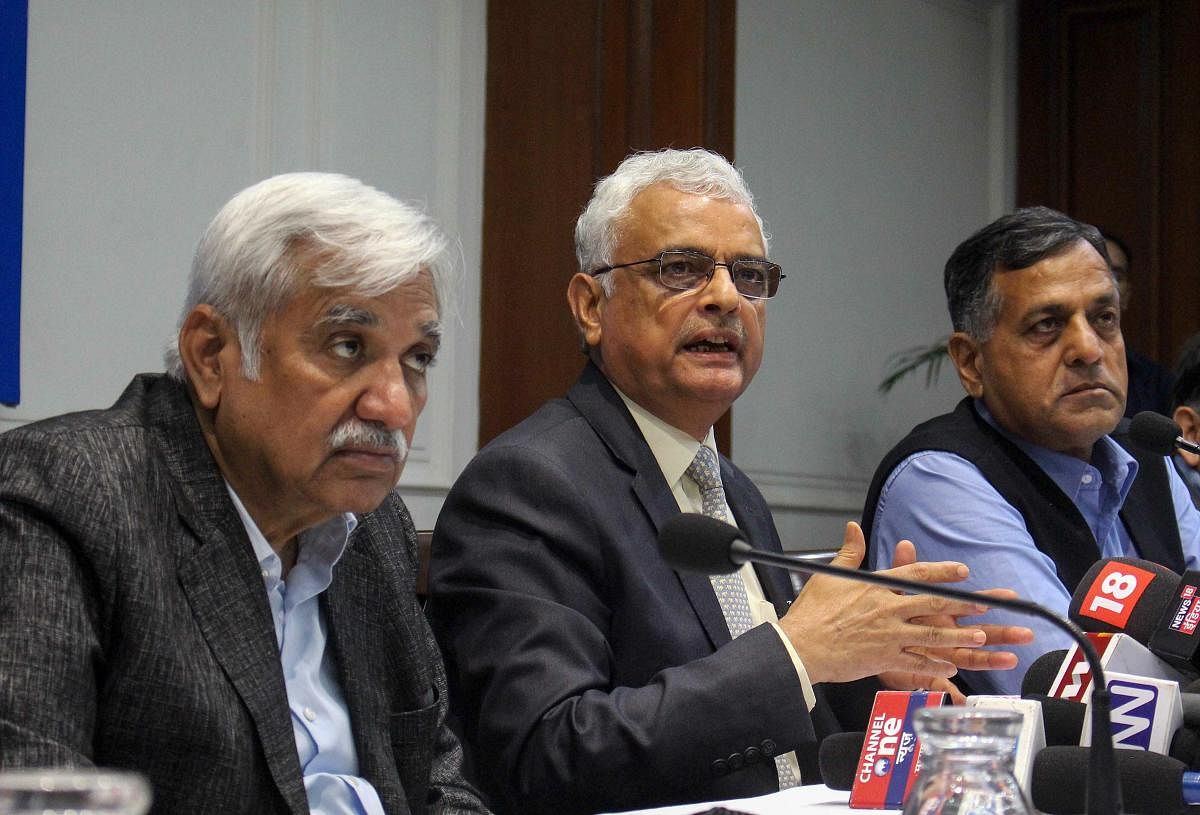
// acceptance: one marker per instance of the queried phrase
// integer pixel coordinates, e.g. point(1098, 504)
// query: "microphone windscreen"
point(1150, 782)
point(1185, 746)
point(1062, 719)
point(1154, 432)
point(697, 543)
point(1041, 673)
point(838, 759)
point(1123, 595)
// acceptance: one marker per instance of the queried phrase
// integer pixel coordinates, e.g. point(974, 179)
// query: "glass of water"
point(61, 791)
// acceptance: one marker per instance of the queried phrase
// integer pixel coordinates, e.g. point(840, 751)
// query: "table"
point(814, 799)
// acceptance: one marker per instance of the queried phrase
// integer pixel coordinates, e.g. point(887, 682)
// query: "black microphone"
point(1154, 605)
point(1062, 719)
point(1159, 434)
point(1042, 672)
point(1154, 783)
point(837, 757)
point(698, 543)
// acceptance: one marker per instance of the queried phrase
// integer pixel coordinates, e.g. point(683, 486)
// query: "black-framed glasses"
point(684, 270)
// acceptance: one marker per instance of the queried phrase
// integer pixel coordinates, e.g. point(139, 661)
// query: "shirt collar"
point(1115, 467)
point(322, 545)
point(672, 448)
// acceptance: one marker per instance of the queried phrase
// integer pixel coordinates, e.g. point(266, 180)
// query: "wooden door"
point(572, 87)
point(1109, 132)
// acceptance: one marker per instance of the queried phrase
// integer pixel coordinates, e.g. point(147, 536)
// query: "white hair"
point(307, 229)
point(696, 171)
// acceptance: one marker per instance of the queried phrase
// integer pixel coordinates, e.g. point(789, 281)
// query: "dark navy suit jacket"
point(589, 675)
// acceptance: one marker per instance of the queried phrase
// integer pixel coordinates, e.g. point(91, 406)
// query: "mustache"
point(357, 433)
point(726, 322)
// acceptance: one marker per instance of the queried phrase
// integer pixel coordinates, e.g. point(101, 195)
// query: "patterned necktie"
point(730, 588)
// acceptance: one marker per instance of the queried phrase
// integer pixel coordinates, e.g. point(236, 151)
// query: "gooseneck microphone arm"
point(694, 542)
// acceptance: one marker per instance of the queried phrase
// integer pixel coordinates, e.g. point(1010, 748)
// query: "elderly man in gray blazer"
point(212, 581)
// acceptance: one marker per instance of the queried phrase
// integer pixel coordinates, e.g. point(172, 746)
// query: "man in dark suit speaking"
point(589, 675)
point(211, 582)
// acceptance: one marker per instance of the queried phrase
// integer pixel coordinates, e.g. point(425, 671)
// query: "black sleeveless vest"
point(1056, 525)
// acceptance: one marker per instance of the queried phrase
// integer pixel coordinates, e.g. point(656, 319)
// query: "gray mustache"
point(358, 433)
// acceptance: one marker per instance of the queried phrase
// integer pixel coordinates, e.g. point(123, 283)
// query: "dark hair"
point(1187, 374)
point(1113, 238)
point(1015, 241)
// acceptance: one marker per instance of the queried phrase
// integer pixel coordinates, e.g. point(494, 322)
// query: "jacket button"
point(737, 761)
point(752, 754)
point(720, 767)
point(768, 747)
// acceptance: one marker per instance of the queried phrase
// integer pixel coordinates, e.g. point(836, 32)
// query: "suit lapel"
point(599, 403)
point(221, 579)
point(374, 638)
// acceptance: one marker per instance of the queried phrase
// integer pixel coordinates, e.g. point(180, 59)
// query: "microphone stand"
point(1103, 783)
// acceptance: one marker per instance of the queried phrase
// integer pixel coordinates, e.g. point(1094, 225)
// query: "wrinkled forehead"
point(664, 217)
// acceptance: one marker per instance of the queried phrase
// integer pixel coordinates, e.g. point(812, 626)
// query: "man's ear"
point(1189, 424)
point(208, 348)
point(964, 352)
point(586, 299)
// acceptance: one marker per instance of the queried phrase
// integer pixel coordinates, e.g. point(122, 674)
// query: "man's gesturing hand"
point(844, 630)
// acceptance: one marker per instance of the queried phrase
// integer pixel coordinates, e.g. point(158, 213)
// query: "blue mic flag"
point(14, 24)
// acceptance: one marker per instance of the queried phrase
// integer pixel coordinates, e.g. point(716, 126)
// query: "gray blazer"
point(135, 630)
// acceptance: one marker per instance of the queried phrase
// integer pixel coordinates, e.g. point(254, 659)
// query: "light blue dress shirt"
point(1190, 476)
point(320, 718)
point(945, 506)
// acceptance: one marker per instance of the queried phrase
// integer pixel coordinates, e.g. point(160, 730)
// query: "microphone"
point(879, 774)
point(1159, 434)
point(1118, 652)
point(1123, 595)
point(1146, 713)
point(1062, 720)
point(891, 754)
point(1149, 602)
point(694, 542)
point(1032, 736)
point(1155, 783)
point(837, 756)
point(1040, 675)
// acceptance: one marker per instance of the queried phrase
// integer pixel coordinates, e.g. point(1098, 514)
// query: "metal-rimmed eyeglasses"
point(684, 270)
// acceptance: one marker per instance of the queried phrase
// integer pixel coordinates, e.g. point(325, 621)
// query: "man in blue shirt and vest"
point(1024, 481)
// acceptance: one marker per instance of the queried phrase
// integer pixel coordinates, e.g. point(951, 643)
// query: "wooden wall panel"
point(1179, 236)
point(572, 88)
point(1107, 104)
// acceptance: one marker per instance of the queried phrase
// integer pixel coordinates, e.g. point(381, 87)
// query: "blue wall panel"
point(14, 23)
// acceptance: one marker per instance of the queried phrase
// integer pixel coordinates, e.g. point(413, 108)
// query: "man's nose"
point(388, 398)
point(1085, 347)
point(720, 293)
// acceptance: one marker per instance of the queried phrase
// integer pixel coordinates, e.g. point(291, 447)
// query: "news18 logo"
point(1187, 615)
point(1114, 593)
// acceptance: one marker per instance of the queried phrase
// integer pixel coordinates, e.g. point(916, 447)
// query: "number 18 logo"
point(1114, 593)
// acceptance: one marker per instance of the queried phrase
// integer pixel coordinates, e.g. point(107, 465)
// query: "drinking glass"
point(967, 763)
point(58, 791)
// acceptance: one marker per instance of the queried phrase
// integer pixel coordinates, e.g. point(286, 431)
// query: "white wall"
point(876, 135)
point(142, 118)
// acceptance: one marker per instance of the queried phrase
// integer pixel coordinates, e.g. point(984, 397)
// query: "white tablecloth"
point(814, 799)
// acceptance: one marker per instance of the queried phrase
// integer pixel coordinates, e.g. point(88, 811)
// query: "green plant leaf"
point(902, 363)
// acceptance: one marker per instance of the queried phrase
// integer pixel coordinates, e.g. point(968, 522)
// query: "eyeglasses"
point(684, 271)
